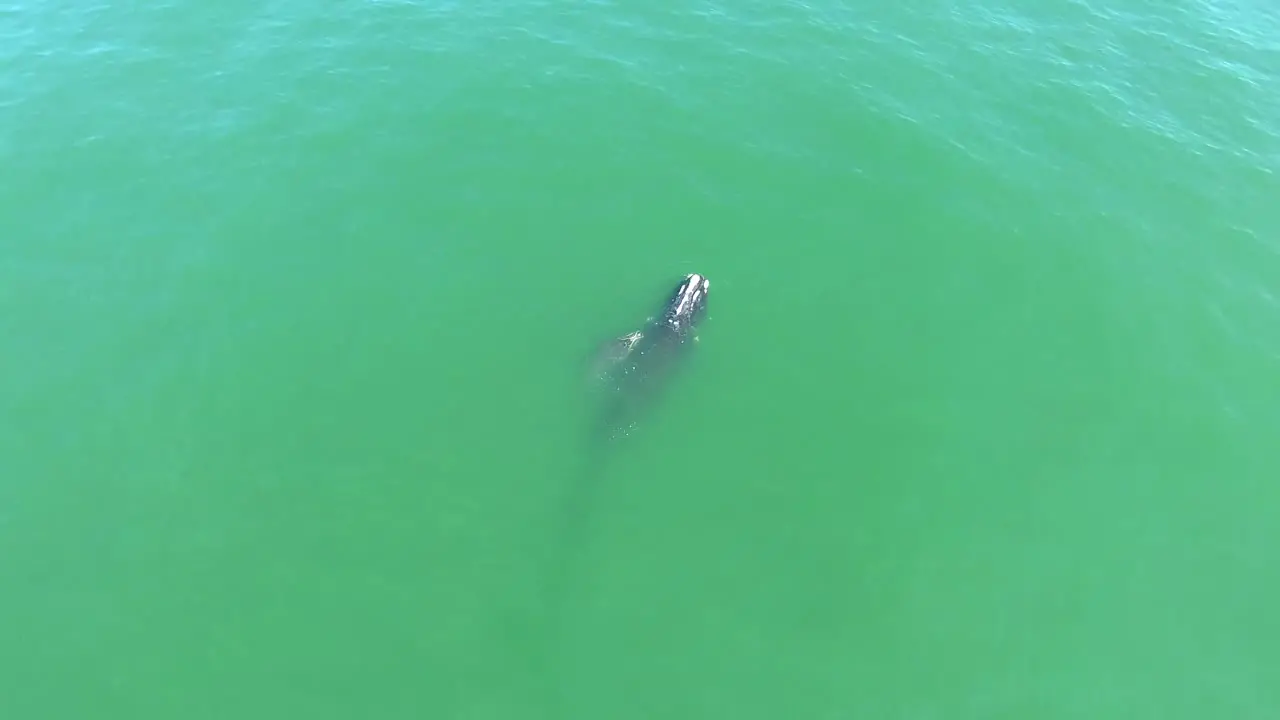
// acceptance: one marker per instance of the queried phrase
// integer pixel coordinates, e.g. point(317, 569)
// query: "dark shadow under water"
point(608, 445)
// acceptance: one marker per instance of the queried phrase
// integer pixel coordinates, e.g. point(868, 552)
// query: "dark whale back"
point(638, 366)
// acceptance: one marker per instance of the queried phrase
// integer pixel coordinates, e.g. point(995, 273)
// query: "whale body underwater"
point(630, 372)
point(633, 369)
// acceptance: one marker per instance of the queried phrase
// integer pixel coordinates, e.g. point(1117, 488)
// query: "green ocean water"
point(295, 299)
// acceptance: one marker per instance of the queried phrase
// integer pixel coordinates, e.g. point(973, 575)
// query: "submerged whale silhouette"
point(634, 368)
point(630, 371)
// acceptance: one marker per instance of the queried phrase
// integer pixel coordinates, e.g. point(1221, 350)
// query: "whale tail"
point(564, 552)
point(571, 525)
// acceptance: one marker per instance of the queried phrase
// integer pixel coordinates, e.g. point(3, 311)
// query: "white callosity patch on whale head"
point(695, 286)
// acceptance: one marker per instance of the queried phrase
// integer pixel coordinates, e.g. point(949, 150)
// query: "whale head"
point(688, 304)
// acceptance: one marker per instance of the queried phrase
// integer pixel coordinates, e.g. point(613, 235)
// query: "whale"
point(633, 369)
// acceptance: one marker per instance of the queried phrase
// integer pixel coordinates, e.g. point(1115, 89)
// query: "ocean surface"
point(296, 297)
